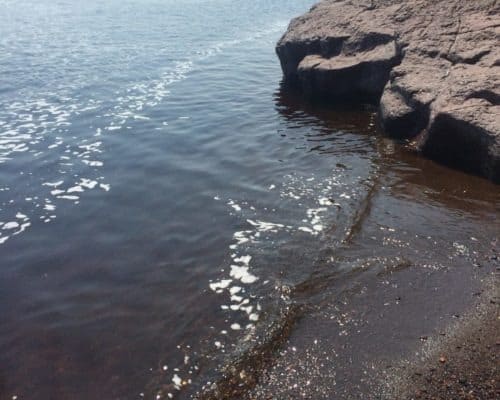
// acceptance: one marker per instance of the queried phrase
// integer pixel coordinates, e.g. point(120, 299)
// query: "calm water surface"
point(160, 193)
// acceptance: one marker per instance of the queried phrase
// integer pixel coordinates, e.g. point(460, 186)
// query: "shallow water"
point(162, 197)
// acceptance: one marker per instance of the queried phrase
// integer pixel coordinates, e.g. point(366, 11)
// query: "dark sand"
point(461, 362)
point(423, 336)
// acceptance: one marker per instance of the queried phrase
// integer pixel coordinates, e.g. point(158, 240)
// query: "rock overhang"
point(419, 61)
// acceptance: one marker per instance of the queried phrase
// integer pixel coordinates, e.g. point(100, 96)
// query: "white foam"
point(177, 381)
point(235, 289)
point(93, 163)
point(236, 299)
point(240, 237)
point(56, 144)
point(242, 274)
point(245, 260)
point(222, 284)
point(323, 201)
point(53, 184)
point(235, 327)
point(234, 205)
point(94, 147)
point(22, 228)
point(253, 317)
point(73, 189)
point(88, 183)
point(11, 225)
point(263, 226)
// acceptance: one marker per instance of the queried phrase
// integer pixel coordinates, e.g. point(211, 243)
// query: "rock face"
point(433, 66)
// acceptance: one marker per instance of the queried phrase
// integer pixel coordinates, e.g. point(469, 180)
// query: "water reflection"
point(414, 235)
point(406, 173)
point(229, 201)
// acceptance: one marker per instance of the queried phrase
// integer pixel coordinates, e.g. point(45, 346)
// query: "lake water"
point(164, 199)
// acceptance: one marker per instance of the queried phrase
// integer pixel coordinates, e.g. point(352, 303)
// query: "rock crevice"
point(432, 67)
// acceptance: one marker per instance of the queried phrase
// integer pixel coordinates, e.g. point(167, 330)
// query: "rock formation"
point(432, 66)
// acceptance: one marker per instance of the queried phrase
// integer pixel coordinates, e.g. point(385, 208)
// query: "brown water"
point(163, 202)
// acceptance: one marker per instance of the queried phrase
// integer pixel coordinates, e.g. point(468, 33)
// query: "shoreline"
point(407, 349)
point(436, 89)
point(385, 323)
point(461, 362)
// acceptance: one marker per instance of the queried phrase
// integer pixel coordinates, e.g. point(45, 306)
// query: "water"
point(163, 199)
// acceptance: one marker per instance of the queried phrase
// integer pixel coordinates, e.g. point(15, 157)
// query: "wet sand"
point(370, 310)
point(393, 328)
point(427, 350)
point(459, 363)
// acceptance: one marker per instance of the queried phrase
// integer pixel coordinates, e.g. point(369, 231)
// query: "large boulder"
point(432, 66)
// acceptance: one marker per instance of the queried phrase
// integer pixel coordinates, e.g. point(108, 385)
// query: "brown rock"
point(433, 66)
